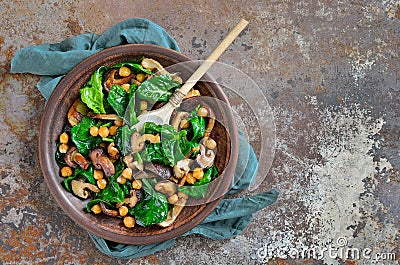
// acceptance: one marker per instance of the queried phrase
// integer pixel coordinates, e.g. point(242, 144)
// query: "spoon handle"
point(203, 68)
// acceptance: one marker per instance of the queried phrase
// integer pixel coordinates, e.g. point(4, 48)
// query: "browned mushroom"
point(166, 187)
point(107, 211)
point(73, 158)
point(137, 141)
point(176, 210)
point(206, 158)
point(160, 170)
point(182, 167)
point(79, 188)
point(76, 112)
point(113, 151)
point(111, 80)
point(178, 118)
point(101, 161)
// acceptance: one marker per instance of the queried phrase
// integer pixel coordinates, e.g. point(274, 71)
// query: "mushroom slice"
point(79, 188)
point(113, 151)
point(176, 210)
point(101, 161)
point(160, 170)
point(76, 112)
point(205, 159)
point(137, 141)
point(111, 80)
point(178, 118)
point(182, 167)
point(107, 211)
point(132, 164)
point(165, 186)
point(73, 158)
point(131, 201)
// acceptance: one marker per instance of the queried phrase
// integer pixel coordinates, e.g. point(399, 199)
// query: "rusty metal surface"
point(330, 72)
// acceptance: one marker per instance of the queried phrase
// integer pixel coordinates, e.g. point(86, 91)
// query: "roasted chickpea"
point(101, 183)
point(123, 210)
point(140, 77)
point(113, 130)
point(121, 180)
point(66, 171)
point(129, 221)
point(124, 71)
point(137, 184)
point(98, 174)
point(94, 131)
point(96, 209)
point(211, 144)
point(126, 87)
point(203, 112)
point(198, 173)
point(190, 179)
point(104, 131)
point(184, 124)
point(64, 138)
point(63, 148)
point(127, 173)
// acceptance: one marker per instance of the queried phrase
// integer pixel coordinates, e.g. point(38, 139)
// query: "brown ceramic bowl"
point(54, 118)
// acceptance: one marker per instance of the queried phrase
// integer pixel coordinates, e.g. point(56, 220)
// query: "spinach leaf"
point(153, 209)
point(92, 93)
point(60, 157)
point(130, 112)
point(80, 136)
point(118, 99)
point(158, 88)
point(123, 139)
point(172, 147)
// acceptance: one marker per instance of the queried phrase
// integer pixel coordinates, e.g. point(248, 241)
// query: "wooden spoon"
point(163, 114)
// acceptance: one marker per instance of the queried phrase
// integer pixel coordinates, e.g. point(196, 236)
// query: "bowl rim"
point(53, 184)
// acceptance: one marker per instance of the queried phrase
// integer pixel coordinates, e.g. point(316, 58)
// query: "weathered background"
point(330, 72)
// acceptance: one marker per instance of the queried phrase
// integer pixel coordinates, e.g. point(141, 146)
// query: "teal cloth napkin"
point(53, 61)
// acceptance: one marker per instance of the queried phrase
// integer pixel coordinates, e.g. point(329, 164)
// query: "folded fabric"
point(53, 61)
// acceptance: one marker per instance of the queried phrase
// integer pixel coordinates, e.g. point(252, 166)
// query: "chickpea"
point(124, 71)
point(190, 179)
point(94, 131)
point(63, 148)
point(102, 183)
point(64, 138)
point(211, 144)
point(184, 124)
point(127, 173)
point(143, 105)
point(66, 171)
point(140, 77)
point(103, 131)
point(113, 130)
point(203, 112)
point(198, 173)
point(96, 209)
point(123, 210)
point(121, 180)
point(129, 221)
point(137, 184)
point(98, 174)
point(126, 87)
